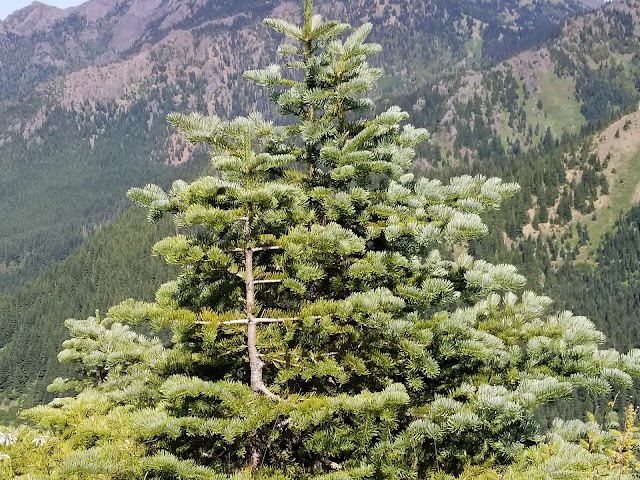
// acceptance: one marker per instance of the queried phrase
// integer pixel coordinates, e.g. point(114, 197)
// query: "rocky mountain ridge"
point(125, 33)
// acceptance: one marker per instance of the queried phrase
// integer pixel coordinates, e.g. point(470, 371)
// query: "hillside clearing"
point(560, 109)
point(623, 173)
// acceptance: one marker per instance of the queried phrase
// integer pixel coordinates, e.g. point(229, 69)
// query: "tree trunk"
point(255, 362)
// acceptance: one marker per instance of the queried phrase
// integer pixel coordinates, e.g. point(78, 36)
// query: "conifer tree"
point(320, 326)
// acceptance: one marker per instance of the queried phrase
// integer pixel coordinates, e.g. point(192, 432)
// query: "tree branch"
point(256, 249)
point(245, 321)
point(264, 249)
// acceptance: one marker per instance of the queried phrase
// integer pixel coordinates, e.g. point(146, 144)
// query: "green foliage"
point(575, 450)
point(80, 160)
point(320, 325)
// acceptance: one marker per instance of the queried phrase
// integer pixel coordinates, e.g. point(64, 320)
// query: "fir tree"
point(320, 326)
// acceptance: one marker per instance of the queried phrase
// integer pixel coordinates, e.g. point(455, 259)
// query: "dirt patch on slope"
point(619, 150)
point(627, 144)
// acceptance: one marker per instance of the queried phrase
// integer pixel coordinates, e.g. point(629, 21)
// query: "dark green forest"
point(112, 264)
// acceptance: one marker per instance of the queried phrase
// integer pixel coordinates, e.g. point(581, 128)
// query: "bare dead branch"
point(256, 249)
point(245, 321)
point(265, 249)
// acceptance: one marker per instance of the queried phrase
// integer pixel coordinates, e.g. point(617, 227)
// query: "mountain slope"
point(89, 86)
point(586, 74)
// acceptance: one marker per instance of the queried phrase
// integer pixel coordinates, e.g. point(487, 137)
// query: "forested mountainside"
point(41, 42)
point(578, 170)
point(81, 129)
point(584, 74)
point(113, 264)
point(87, 89)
